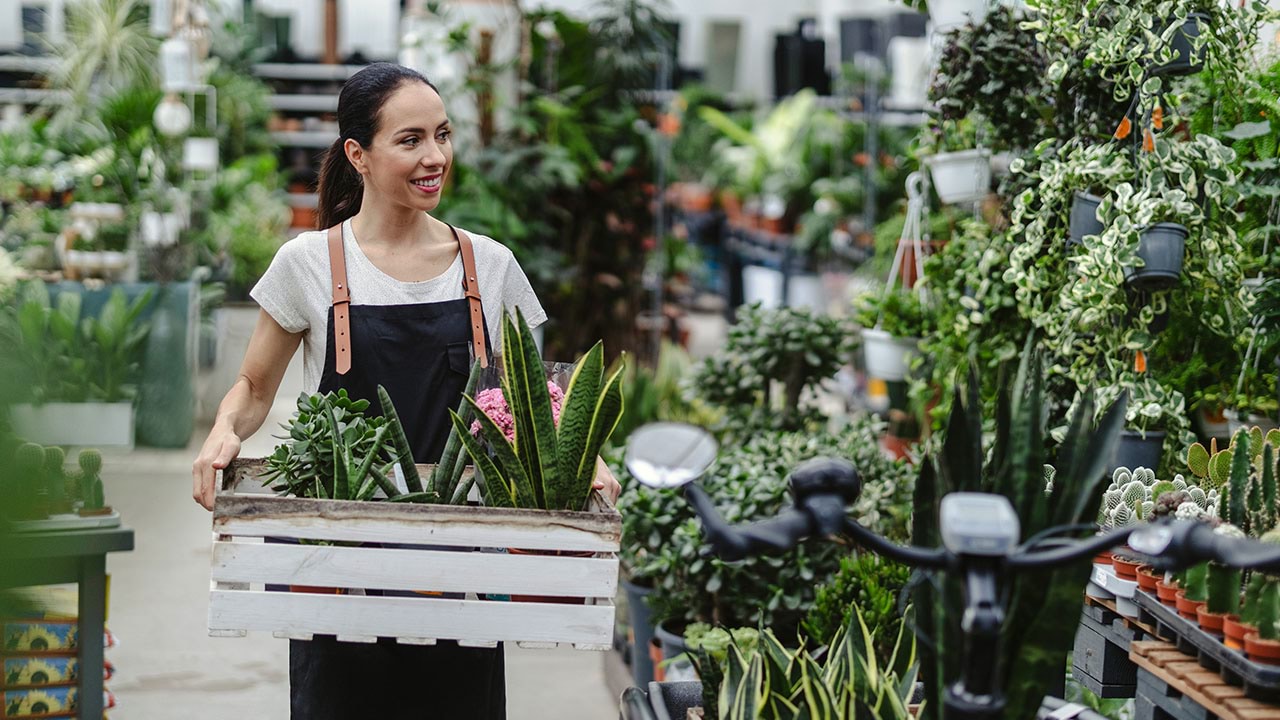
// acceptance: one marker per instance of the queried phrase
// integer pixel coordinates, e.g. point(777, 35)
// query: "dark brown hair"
point(359, 105)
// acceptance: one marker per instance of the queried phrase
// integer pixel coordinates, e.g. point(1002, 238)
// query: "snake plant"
point(545, 467)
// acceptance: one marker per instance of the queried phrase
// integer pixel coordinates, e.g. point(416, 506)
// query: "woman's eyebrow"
point(443, 124)
point(416, 130)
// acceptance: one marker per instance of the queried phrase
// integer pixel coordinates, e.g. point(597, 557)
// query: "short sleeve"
point(281, 290)
point(518, 293)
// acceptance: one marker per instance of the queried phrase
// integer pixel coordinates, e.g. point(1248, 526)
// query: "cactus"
point(404, 454)
point(1224, 581)
point(1267, 617)
point(29, 465)
point(90, 462)
point(1198, 461)
point(1195, 582)
point(1233, 507)
point(55, 479)
point(1267, 516)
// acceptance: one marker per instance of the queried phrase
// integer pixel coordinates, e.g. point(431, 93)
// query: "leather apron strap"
point(341, 302)
point(342, 299)
point(471, 290)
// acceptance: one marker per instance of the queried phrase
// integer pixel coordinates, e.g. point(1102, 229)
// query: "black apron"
point(421, 354)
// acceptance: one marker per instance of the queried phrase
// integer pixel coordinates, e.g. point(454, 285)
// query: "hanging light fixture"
point(177, 67)
point(172, 117)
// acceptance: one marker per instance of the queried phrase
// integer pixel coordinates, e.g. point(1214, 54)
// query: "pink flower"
point(494, 404)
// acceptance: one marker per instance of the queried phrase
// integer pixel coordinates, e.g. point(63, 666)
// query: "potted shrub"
point(81, 370)
point(1153, 415)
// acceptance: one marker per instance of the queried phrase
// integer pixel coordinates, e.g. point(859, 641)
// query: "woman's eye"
point(442, 137)
point(410, 141)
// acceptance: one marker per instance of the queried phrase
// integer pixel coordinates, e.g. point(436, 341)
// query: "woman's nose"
point(433, 157)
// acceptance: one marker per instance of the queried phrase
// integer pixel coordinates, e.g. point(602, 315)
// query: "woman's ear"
point(355, 155)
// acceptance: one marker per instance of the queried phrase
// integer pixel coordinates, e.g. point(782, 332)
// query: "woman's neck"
point(392, 226)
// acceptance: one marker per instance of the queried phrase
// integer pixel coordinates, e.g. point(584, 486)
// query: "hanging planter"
point(887, 357)
point(1161, 247)
point(946, 14)
point(1186, 59)
point(961, 177)
point(1084, 218)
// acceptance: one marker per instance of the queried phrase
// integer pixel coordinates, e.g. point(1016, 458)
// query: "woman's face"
point(412, 150)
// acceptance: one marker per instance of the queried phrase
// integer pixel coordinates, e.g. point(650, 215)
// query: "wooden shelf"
point(305, 71)
point(35, 64)
point(304, 103)
point(32, 96)
point(303, 138)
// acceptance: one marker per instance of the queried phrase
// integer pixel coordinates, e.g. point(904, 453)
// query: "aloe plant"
point(544, 467)
point(1035, 640)
point(850, 683)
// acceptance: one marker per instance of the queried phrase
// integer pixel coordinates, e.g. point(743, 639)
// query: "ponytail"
point(341, 187)
point(363, 95)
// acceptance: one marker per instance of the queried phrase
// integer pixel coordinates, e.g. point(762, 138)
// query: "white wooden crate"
point(455, 550)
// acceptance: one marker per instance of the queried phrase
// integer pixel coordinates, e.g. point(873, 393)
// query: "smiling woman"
point(385, 295)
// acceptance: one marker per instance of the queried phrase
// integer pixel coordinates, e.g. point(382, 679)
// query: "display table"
point(79, 556)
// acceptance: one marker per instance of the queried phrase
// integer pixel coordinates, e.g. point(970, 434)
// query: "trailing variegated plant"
point(545, 466)
point(850, 683)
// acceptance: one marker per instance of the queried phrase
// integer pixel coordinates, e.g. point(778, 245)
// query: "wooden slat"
point(1225, 701)
point(436, 618)
point(403, 569)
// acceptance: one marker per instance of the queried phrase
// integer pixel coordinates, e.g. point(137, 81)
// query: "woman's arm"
point(246, 404)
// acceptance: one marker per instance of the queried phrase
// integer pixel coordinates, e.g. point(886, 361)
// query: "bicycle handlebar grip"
point(824, 475)
point(777, 534)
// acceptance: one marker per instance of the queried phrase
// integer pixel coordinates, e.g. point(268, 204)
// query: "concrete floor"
point(166, 664)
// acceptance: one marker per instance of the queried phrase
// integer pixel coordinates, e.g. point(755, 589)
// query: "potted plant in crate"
point(545, 466)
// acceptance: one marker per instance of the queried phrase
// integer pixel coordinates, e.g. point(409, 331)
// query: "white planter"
point(961, 177)
point(80, 424)
point(909, 65)
point(160, 229)
point(1235, 424)
point(761, 285)
point(200, 154)
point(110, 212)
point(807, 291)
point(887, 357)
point(948, 14)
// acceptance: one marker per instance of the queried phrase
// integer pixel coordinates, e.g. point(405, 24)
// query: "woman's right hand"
point(220, 448)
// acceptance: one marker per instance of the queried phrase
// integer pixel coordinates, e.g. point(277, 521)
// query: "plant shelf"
point(392, 552)
point(1260, 682)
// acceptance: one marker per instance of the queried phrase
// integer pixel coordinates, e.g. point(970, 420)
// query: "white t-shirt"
point(297, 292)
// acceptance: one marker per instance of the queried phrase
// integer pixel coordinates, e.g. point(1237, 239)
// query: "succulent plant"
point(32, 494)
point(55, 479)
point(1136, 496)
point(1262, 600)
point(1223, 580)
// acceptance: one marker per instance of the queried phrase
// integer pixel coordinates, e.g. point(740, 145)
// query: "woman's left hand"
point(606, 483)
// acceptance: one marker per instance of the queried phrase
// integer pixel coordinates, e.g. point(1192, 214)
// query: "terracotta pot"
point(1126, 569)
point(655, 656)
point(696, 198)
point(1167, 592)
point(555, 599)
point(1210, 622)
point(303, 217)
point(1102, 558)
point(1234, 632)
point(1187, 608)
point(773, 225)
point(1262, 651)
point(1148, 578)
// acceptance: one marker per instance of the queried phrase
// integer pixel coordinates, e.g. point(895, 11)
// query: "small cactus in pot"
point(55, 480)
point(1263, 606)
point(91, 491)
point(33, 496)
point(1223, 585)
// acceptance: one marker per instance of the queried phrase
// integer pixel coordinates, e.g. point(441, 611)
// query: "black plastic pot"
point(1134, 450)
point(1084, 218)
point(673, 700)
point(1186, 61)
point(670, 635)
point(640, 616)
point(1161, 248)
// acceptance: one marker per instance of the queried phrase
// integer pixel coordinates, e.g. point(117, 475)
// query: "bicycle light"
point(979, 524)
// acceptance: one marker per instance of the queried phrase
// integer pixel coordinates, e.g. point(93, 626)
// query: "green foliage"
point(652, 394)
point(1034, 639)
point(775, 683)
point(749, 483)
point(90, 462)
point(995, 68)
point(709, 651)
point(899, 312)
point(66, 357)
point(870, 584)
point(786, 349)
point(332, 451)
point(545, 467)
point(107, 44)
